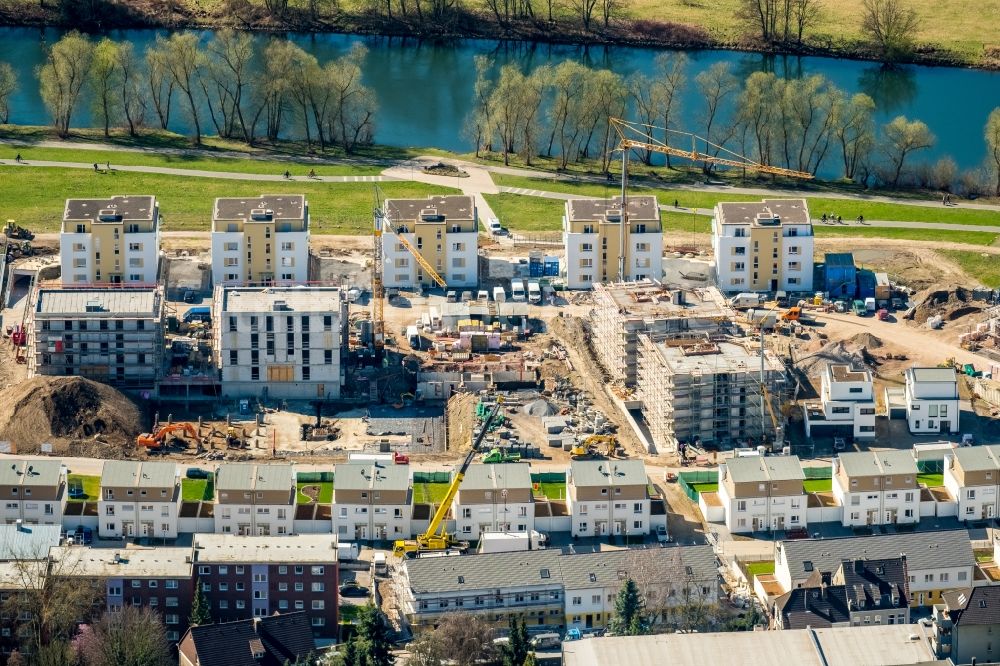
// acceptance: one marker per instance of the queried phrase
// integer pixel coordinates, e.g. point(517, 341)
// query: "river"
point(424, 89)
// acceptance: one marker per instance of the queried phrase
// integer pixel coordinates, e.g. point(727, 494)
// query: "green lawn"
point(758, 568)
point(686, 223)
point(930, 235)
point(982, 267)
point(984, 557)
point(429, 493)
point(552, 491)
point(817, 485)
point(523, 213)
point(197, 490)
point(91, 487)
point(931, 480)
point(35, 197)
point(705, 487)
point(325, 492)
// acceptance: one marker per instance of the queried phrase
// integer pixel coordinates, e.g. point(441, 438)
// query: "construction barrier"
point(548, 477)
point(930, 466)
point(432, 477)
point(818, 472)
point(314, 477)
point(687, 479)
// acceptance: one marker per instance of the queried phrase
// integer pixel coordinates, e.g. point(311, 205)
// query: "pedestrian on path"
point(109, 166)
point(95, 167)
point(288, 176)
point(18, 158)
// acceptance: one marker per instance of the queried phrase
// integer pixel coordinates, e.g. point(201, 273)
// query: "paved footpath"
point(198, 173)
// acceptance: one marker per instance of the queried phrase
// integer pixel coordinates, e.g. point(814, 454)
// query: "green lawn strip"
point(930, 235)
point(982, 267)
point(325, 492)
point(197, 490)
point(429, 493)
point(686, 222)
point(931, 480)
point(759, 568)
point(35, 197)
point(91, 487)
point(524, 213)
point(554, 490)
point(817, 485)
point(705, 487)
point(984, 557)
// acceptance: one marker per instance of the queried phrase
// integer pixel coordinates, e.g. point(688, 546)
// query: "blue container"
point(536, 269)
point(551, 267)
point(840, 276)
point(866, 284)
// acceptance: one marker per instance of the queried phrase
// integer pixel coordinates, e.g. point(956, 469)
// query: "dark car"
point(197, 473)
point(353, 590)
point(84, 535)
point(190, 296)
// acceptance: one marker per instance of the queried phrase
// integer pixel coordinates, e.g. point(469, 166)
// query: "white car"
point(661, 534)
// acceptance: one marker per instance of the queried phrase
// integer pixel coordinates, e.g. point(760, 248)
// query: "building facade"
point(139, 499)
point(372, 501)
point(494, 498)
point(602, 247)
point(847, 404)
point(972, 477)
point(763, 493)
point(260, 240)
point(443, 230)
point(608, 498)
point(877, 488)
point(966, 623)
point(112, 240)
point(33, 492)
point(763, 246)
point(280, 342)
point(256, 500)
point(931, 400)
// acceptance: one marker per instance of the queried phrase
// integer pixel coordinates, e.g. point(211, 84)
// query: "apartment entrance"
point(590, 621)
point(147, 529)
point(128, 529)
point(778, 523)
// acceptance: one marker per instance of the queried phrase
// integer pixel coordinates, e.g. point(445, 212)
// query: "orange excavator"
point(157, 439)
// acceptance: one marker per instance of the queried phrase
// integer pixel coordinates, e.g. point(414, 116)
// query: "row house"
point(972, 477)
point(33, 491)
point(494, 498)
point(254, 499)
point(608, 497)
point(139, 499)
point(763, 493)
point(372, 501)
point(877, 488)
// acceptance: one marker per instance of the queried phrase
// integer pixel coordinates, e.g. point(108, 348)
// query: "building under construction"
point(702, 391)
point(622, 311)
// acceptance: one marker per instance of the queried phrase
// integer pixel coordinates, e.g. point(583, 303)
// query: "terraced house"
point(372, 501)
point(877, 488)
point(972, 477)
point(113, 240)
point(494, 498)
point(255, 500)
point(763, 493)
point(33, 491)
point(608, 497)
point(139, 499)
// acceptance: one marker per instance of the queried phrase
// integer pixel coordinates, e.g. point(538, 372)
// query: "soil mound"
point(950, 303)
point(54, 409)
point(540, 408)
point(854, 351)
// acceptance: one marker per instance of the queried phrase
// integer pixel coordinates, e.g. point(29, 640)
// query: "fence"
point(930, 466)
point(432, 477)
point(689, 479)
point(314, 477)
point(548, 477)
point(818, 472)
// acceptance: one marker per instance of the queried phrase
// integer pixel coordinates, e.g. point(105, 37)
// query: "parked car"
point(546, 641)
point(190, 295)
point(451, 296)
point(661, 534)
point(353, 590)
point(83, 535)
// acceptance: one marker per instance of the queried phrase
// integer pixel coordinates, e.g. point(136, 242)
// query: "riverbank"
point(961, 37)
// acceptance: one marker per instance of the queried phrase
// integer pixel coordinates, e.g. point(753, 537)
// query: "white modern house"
point(139, 499)
point(931, 396)
point(763, 493)
point(608, 497)
point(32, 491)
point(255, 500)
point(763, 246)
point(494, 498)
point(372, 501)
point(846, 405)
point(877, 488)
point(972, 477)
point(113, 240)
point(443, 230)
point(260, 240)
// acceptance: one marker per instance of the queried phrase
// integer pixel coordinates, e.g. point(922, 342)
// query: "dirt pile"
point(62, 409)
point(950, 302)
point(461, 420)
point(855, 351)
point(540, 408)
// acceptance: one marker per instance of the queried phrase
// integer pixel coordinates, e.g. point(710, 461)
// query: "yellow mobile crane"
point(433, 540)
point(382, 223)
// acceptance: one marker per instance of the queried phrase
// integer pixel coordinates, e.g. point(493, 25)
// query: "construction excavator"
point(496, 456)
point(598, 446)
point(157, 439)
point(435, 538)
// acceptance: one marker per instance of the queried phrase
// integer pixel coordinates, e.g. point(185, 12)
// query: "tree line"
point(226, 84)
point(806, 124)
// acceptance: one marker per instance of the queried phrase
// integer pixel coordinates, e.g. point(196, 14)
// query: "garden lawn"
point(984, 557)
point(91, 487)
point(554, 490)
point(325, 492)
point(705, 487)
point(982, 267)
point(524, 213)
point(429, 493)
point(932, 480)
point(758, 568)
point(817, 485)
point(197, 490)
point(930, 235)
point(35, 197)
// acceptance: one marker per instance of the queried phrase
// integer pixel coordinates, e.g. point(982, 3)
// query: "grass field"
point(817, 485)
point(553, 491)
point(930, 235)
point(759, 568)
point(325, 492)
point(35, 197)
point(705, 487)
point(91, 487)
point(931, 480)
point(985, 267)
point(429, 493)
point(522, 213)
point(984, 557)
point(197, 490)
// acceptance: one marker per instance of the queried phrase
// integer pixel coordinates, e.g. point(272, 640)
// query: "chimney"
point(859, 567)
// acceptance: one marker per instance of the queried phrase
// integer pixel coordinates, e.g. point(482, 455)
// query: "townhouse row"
point(370, 501)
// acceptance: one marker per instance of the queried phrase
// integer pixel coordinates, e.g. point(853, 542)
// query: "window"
point(171, 602)
point(204, 570)
point(260, 594)
point(260, 578)
point(240, 604)
point(223, 604)
point(223, 587)
point(287, 246)
point(318, 604)
point(318, 587)
point(170, 584)
point(172, 618)
point(586, 263)
point(136, 583)
point(231, 261)
point(318, 621)
point(299, 587)
point(231, 247)
point(317, 571)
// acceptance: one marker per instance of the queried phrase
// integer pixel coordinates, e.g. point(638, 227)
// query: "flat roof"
point(159, 562)
point(716, 358)
point(983, 458)
point(128, 207)
point(640, 208)
point(651, 301)
point(28, 541)
point(304, 548)
point(131, 474)
point(765, 468)
point(843, 372)
point(788, 211)
point(438, 208)
point(840, 259)
point(602, 473)
point(278, 207)
point(933, 374)
point(489, 477)
point(98, 302)
point(374, 476)
point(282, 300)
point(36, 473)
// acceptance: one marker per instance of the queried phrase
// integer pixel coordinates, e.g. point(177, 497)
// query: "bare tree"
point(805, 14)
point(8, 84)
point(130, 78)
point(991, 132)
point(585, 10)
point(566, 120)
point(62, 77)
point(759, 113)
point(855, 131)
point(459, 639)
point(478, 126)
point(890, 25)
point(716, 84)
point(227, 80)
point(104, 81)
point(901, 138)
point(610, 9)
point(161, 83)
point(184, 60)
point(351, 118)
point(132, 636)
point(669, 80)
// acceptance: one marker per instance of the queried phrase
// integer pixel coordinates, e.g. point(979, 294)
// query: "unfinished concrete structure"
point(624, 310)
point(703, 391)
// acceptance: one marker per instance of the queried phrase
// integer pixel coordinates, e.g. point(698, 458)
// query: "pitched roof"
point(878, 463)
point(602, 473)
point(371, 476)
point(489, 477)
point(974, 605)
point(281, 638)
point(130, 474)
point(984, 458)
point(682, 563)
point(813, 607)
point(765, 468)
point(15, 472)
point(878, 583)
point(27, 542)
point(933, 374)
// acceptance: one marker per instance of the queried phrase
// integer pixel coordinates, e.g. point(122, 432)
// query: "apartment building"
point(602, 247)
point(622, 312)
point(931, 396)
point(156, 578)
point(608, 498)
point(877, 488)
point(494, 498)
point(763, 246)
point(276, 639)
point(846, 406)
point(966, 623)
point(936, 562)
point(110, 240)
point(280, 342)
point(114, 336)
point(260, 240)
point(443, 230)
point(32, 492)
point(256, 576)
point(972, 477)
point(763, 493)
point(706, 392)
point(24, 552)
point(372, 501)
point(139, 499)
point(254, 499)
